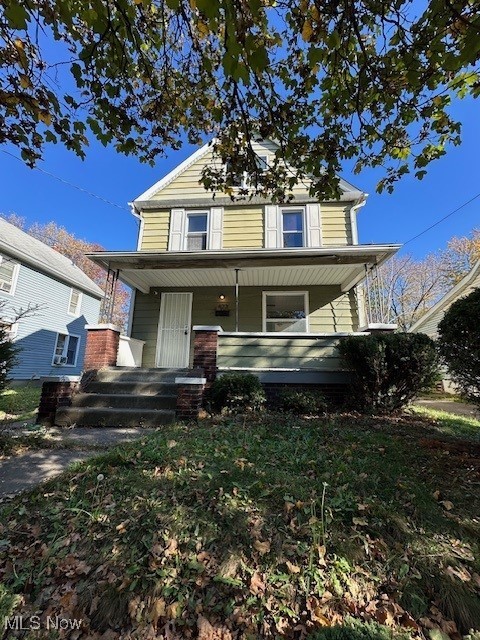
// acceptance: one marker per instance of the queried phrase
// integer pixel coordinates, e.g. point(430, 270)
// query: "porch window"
point(66, 349)
point(8, 274)
point(285, 311)
point(197, 231)
point(292, 228)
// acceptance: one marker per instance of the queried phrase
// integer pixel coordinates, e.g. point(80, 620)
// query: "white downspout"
point(353, 217)
point(133, 211)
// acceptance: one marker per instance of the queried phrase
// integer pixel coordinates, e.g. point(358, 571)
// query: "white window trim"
point(285, 293)
point(196, 212)
point(304, 225)
point(73, 335)
point(246, 184)
point(16, 269)
point(78, 310)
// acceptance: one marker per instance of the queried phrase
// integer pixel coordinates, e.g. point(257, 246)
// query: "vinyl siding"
point(330, 312)
point(275, 352)
point(430, 327)
point(37, 334)
point(155, 230)
point(243, 224)
point(243, 227)
point(336, 225)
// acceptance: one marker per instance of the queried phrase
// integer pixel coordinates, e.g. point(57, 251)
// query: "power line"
point(435, 224)
point(70, 184)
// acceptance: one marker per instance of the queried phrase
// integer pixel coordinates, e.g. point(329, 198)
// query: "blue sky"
point(396, 217)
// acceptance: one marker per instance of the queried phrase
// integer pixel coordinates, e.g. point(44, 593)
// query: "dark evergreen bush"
point(8, 355)
point(301, 402)
point(237, 392)
point(388, 369)
point(459, 344)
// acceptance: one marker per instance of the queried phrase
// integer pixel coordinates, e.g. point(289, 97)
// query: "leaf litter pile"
point(253, 527)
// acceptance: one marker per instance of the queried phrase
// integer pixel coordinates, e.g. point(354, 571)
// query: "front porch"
point(281, 310)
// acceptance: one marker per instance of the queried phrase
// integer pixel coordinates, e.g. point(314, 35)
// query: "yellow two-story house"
point(280, 282)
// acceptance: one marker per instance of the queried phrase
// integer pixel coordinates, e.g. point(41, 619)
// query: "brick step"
point(135, 374)
point(132, 388)
point(125, 401)
point(105, 417)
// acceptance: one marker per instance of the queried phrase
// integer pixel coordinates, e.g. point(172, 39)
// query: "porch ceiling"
point(341, 266)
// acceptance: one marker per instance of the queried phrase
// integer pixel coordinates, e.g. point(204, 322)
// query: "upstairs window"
point(292, 228)
point(66, 349)
point(75, 302)
point(8, 274)
point(244, 180)
point(197, 231)
point(285, 311)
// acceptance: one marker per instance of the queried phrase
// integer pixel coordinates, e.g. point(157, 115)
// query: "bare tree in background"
point(403, 289)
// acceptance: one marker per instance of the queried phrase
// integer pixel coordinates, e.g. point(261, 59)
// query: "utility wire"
point(70, 184)
point(441, 220)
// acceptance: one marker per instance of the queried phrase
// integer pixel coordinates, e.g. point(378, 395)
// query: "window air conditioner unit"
point(60, 360)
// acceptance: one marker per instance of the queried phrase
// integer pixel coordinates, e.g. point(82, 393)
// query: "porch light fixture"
point(222, 308)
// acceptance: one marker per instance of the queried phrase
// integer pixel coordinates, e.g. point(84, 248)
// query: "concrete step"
point(135, 374)
point(104, 417)
point(125, 401)
point(132, 388)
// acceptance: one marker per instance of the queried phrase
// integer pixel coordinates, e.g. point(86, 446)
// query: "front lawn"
point(269, 527)
point(19, 404)
point(451, 424)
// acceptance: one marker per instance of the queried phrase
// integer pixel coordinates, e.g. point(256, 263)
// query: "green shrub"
point(357, 630)
point(305, 402)
point(8, 355)
point(388, 369)
point(8, 603)
point(237, 392)
point(459, 344)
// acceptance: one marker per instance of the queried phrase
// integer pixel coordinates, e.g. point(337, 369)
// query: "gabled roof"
point(463, 288)
point(346, 187)
point(27, 250)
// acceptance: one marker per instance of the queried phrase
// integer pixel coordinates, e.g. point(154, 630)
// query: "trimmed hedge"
point(237, 392)
point(388, 369)
point(301, 402)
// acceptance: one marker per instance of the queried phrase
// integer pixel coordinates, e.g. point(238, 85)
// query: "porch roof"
point(341, 266)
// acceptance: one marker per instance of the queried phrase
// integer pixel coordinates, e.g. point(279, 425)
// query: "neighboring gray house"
point(429, 322)
point(52, 340)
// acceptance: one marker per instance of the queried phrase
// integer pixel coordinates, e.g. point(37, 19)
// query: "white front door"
point(173, 342)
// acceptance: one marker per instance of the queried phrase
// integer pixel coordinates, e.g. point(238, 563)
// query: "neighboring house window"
point(11, 330)
point(285, 311)
point(292, 228)
point(197, 230)
point(66, 349)
point(262, 162)
point(8, 274)
point(75, 302)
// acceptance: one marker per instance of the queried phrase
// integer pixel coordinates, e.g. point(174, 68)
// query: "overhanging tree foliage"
point(364, 79)
point(459, 344)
